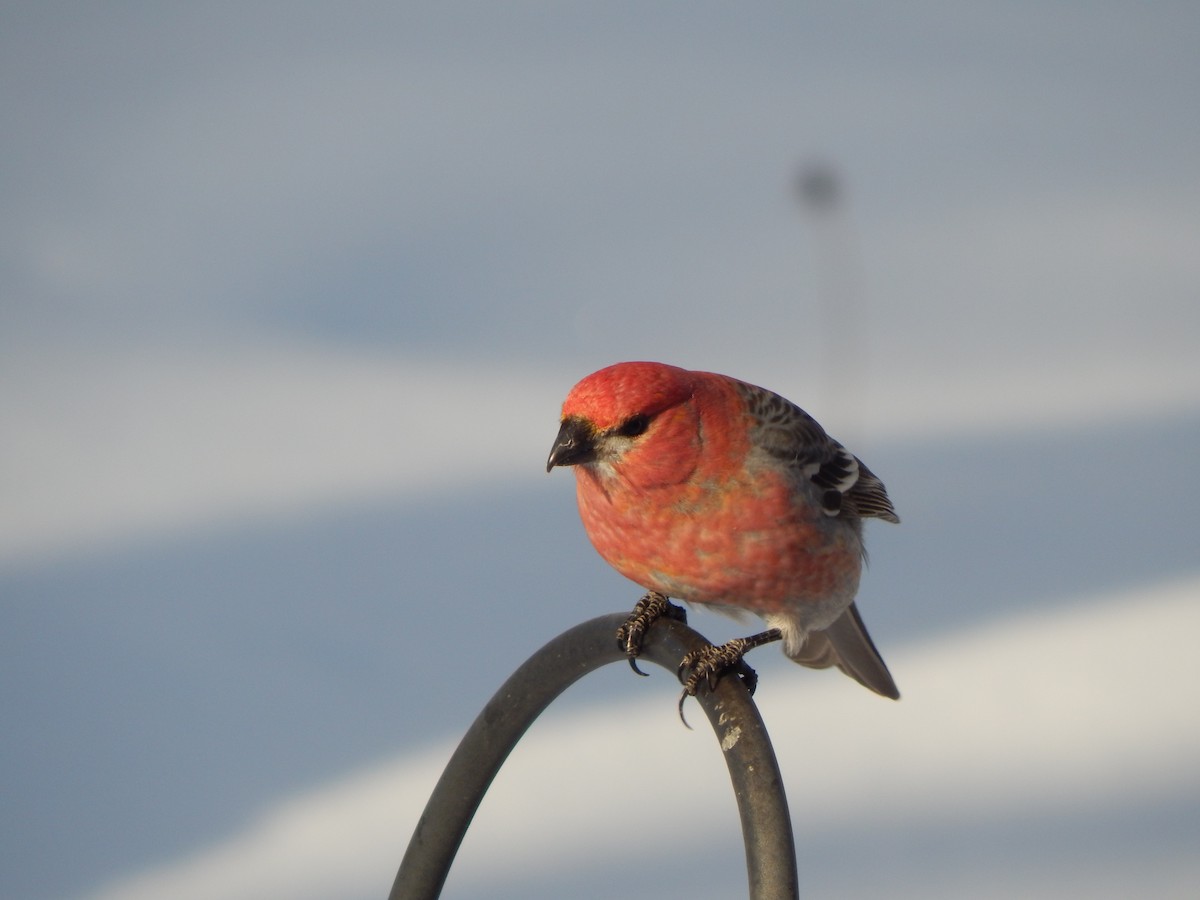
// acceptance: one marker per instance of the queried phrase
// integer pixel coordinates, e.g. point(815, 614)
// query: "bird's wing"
point(791, 435)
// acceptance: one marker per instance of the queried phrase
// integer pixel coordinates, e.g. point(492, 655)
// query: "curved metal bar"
point(757, 783)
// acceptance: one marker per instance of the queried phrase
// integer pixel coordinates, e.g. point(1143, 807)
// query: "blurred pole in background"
point(839, 307)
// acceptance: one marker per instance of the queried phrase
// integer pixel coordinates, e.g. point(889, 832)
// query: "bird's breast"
point(745, 540)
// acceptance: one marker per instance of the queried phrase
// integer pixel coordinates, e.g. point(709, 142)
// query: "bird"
point(714, 491)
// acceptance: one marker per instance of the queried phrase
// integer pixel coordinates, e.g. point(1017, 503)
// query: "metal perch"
point(757, 784)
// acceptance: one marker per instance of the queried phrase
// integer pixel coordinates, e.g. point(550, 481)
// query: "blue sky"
point(289, 297)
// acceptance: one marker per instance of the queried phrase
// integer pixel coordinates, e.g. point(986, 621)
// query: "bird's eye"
point(633, 426)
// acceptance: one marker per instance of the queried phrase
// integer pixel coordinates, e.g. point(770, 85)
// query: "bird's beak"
point(575, 444)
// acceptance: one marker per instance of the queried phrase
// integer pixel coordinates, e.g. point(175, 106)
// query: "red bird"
point(711, 490)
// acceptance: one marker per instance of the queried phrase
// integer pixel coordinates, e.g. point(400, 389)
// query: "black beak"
point(575, 444)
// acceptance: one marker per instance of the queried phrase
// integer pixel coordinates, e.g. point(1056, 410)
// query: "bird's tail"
point(847, 645)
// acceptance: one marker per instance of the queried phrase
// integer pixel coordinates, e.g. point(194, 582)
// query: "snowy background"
point(290, 295)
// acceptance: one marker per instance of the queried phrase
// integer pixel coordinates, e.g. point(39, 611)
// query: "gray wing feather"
point(788, 433)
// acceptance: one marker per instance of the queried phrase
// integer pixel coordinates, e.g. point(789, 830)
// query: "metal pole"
point(753, 769)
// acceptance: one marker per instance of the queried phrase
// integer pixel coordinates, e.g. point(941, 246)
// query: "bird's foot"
point(707, 664)
point(652, 607)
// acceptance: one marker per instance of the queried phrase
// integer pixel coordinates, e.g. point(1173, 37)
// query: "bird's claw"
point(708, 664)
point(652, 607)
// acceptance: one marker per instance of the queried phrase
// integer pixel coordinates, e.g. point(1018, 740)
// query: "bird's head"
point(639, 410)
